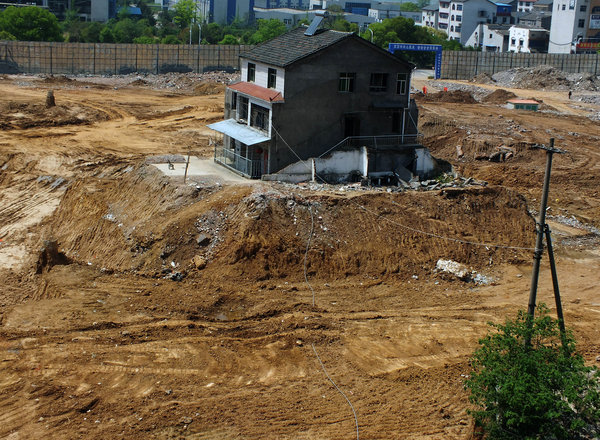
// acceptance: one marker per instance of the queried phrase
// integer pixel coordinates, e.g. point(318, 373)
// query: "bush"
point(539, 391)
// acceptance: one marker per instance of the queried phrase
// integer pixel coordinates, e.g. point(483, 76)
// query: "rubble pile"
point(546, 77)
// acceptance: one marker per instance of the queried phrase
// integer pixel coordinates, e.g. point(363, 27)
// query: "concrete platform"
point(205, 169)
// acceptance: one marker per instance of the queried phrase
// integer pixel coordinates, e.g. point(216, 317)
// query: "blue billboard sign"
point(393, 47)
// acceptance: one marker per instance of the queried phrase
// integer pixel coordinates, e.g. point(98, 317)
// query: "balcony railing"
point(242, 165)
point(377, 142)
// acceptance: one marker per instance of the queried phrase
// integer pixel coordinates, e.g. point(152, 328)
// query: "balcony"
point(235, 162)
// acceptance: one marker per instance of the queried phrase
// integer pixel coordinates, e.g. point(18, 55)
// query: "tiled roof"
point(293, 46)
point(259, 92)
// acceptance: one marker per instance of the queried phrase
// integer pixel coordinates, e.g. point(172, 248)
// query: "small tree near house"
point(540, 391)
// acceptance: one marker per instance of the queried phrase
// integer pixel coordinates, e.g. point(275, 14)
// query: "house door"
point(351, 125)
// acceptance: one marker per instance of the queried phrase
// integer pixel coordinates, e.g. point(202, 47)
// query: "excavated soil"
point(134, 305)
point(453, 96)
point(499, 96)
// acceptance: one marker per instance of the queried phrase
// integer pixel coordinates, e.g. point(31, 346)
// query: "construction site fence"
point(115, 59)
point(119, 59)
point(467, 64)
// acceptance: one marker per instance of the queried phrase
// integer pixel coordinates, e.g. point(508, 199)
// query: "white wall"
point(564, 28)
point(343, 162)
point(261, 76)
point(518, 34)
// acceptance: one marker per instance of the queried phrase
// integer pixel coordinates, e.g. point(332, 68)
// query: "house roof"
point(431, 7)
point(522, 101)
point(259, 92)
point(292, 46)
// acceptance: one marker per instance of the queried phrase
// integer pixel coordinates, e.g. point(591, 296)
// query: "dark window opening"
point(581, 23)
point(401, 84)
point(234, 97)
point(251, 72)
point(346, 82)
point(272, 78)
point(351, 125)
point(243, 110)
point(259, 117)
point(378, 82)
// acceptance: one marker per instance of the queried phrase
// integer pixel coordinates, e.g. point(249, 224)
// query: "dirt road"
point(164, 310)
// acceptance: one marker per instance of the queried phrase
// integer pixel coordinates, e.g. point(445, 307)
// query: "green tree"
point(212, 32)
point(267, 30)
point(30, 23)
point(171, 39)
point(7, 36)
point(91, 33)
point(229, 39)
point(541, 391)
point(409, 7)
point(106, 35)
point(145, 39)
point(185, 12)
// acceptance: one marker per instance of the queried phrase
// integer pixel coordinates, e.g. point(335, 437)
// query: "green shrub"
point(533, 392)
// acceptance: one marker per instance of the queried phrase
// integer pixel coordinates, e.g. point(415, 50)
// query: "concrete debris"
point(199, 262)
point(546, 77)
point(203, 240)
point(461, 272)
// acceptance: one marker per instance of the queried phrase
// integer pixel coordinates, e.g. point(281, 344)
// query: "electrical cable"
point(430, 234)
point(312, 227)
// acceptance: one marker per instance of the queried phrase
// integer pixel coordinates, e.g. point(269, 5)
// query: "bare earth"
point(136, 306)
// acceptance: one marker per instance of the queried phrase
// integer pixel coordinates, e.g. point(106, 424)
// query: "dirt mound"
point(14, 115)
point(482, 78)
point(499, 96)
point(209, 88)
point(138, 82)
point(263, 234)
point(455, 96)
point(60, 79)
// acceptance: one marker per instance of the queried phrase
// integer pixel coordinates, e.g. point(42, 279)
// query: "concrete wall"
point(465, 65)
point(110, 59)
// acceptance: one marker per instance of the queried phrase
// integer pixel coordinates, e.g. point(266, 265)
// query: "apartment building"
point(569, 24)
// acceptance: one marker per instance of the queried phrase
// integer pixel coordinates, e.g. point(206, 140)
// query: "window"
point(564, 7)
point(401, 84)
point(243, 109)
point(521, 42)
point(457, 29)
point(346, 83)
point(513, 41)
point(490, 35)
point(582, 8)
point(251, 72)
point(378, 82)
point(459, 18)
point(459, 7)
point(453, 6)
point(581, 23)
point(451, 28)
point(452, 18)
point(287, 21)
point(259, 117)
point(234, 98)
point(272, 78)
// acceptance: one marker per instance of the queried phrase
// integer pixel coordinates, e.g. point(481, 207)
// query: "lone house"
point(309, 93)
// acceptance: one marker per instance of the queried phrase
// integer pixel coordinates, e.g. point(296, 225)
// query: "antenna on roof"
point(312, 29)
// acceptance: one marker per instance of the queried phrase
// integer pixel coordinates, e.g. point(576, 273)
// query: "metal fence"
point(466, 65)
point(112, 59)
point(246, 167)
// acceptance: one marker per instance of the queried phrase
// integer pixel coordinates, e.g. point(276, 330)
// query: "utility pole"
point(543, 230)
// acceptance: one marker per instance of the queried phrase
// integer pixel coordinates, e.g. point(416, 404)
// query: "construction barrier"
point(113, 59)
point(467, 64)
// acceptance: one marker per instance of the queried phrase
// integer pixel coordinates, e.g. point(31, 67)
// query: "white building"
point(430, 16)
point(525, 5)
point(291, 17)
point(527, 39)
point(490, 37)
point(459, 18)
point(569, 24)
